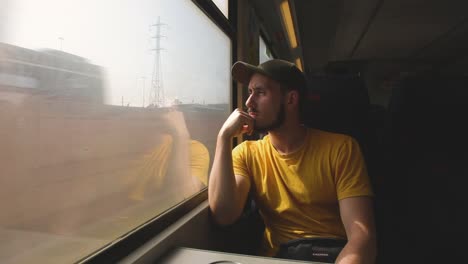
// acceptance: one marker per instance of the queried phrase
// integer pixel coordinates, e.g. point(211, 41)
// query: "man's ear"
point(293, 97)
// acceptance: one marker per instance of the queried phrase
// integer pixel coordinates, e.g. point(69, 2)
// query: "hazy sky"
point(116, 35)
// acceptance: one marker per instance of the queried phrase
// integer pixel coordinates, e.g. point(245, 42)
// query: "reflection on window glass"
point(264, 53)
point(223, 5)
point(109, 117)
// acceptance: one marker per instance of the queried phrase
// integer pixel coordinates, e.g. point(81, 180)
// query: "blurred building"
point(52, 72)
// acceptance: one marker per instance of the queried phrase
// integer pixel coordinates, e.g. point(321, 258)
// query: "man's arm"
point(227, 192)
point(358, 219)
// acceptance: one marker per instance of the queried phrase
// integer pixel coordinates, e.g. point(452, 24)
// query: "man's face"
point(265, 103)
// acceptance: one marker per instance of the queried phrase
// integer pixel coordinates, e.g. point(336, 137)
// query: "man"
point(307, 183)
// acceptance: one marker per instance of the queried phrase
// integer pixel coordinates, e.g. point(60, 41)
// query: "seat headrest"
point(340, 90)
point(333, 98)
point(337, 103)
point(430, 111)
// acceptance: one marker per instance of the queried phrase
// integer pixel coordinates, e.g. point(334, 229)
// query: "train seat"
point(428, 155)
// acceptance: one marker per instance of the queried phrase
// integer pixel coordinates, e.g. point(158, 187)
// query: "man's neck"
point(288, 138)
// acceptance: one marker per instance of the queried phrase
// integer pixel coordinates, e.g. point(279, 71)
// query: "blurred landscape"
point(68, 162)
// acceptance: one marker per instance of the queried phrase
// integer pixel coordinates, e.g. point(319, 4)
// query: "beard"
point(276, 123)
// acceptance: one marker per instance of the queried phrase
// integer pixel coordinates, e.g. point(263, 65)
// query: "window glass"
point(223, 5)
point(264, 53)
point(109, 114)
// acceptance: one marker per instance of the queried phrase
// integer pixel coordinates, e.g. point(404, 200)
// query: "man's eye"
point(256, 92)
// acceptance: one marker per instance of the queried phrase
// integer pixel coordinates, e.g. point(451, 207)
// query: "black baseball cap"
point(281, 71)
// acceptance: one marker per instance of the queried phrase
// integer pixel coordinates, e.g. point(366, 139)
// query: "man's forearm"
point(222, 195)
point(360, 250)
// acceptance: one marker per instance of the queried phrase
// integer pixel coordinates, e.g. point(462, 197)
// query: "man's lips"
point(253, 114)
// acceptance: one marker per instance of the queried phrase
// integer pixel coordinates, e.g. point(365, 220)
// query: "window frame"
point(268, 42)
point(132, 240)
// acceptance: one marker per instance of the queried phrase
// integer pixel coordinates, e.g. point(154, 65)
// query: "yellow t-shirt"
point(298, 193)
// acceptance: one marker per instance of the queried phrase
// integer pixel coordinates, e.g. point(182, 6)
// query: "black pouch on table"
point(312, 249)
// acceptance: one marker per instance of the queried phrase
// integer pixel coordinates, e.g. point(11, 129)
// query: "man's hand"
point(238, 122)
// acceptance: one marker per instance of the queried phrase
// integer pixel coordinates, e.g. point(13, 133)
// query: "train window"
point(264, 53)
point(109, 116)
point(223, 6)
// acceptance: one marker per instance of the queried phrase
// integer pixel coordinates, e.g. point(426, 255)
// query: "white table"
point(198, 256)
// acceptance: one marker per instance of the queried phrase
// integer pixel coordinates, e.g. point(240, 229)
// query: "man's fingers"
point(248, 129)
point(245, 121)
point(244, 114)
point(248, 126)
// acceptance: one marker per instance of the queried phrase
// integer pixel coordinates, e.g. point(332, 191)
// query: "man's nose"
point(250, 102)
